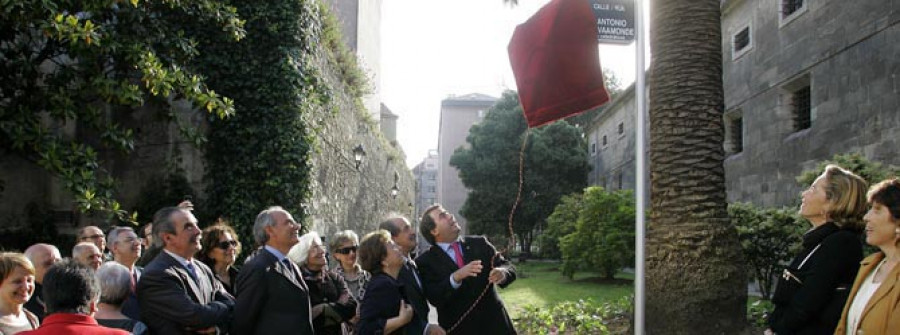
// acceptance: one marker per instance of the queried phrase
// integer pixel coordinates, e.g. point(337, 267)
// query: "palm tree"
point(695, 282)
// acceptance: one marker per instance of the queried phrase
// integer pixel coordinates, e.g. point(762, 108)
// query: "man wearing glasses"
point(454, 274)
point(405, 237)
point(94, 235)
point(125, 247)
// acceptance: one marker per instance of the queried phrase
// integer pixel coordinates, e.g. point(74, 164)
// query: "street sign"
point(615, 20)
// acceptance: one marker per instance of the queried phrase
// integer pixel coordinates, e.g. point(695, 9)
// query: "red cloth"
point(72, 324)
point(459, 259)
point(556, 62)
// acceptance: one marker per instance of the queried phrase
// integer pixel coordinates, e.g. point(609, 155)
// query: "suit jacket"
point(380, 303)
point(882, 312)
point(814, 306)
point(271, 298)
point(72, 324)
point(130, 307)
point(35, 305)
point(415, 294)
point(171, 302)
point(489, 316)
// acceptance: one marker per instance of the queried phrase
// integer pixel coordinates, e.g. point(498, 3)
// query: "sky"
point(431, 50)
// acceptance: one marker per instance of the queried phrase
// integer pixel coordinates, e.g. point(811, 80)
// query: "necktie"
point(458, 252)
point(287, 263)
point(192, 271)
point(133, 281)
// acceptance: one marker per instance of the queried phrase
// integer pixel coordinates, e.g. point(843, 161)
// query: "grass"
point(542, 284)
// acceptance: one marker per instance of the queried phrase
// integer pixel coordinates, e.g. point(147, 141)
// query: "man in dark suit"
point(176, 294)
point(452, 275)
point(42, 256)
point(72, 293)
point(405, 237)
point(125, 247)
point(272, 297)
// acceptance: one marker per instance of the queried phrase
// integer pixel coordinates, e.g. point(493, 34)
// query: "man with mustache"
point(125, 247)
point(454, 273)
point(272, 297)
point(176, 294)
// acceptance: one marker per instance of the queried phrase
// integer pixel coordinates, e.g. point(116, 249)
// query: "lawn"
point(542, 284)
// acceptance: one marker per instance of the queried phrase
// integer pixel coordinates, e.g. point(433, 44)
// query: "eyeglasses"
point(224, 245)
point(347, 250)
point(92, 237)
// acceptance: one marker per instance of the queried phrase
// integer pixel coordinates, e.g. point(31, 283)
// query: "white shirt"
point(448, 248)
point(865, 292)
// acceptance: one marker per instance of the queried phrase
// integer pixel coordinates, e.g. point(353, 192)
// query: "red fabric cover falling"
point(556, 62)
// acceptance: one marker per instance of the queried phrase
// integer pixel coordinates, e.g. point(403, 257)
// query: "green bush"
point(560, 224)
point(758, 313)
point(769, 238)
point(603, 239)
point(872, 172)
point(578, 317)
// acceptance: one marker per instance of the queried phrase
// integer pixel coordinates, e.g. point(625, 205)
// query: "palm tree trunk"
point(695, 282)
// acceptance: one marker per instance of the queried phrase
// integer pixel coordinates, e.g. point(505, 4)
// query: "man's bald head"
point(43, 256)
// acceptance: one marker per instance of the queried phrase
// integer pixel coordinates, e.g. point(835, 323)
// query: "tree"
point(91, 63)
point(695, 278)
point(603, 239)
point(555, 165)
point(560, 223)
point(769, 238)
point(872, 172)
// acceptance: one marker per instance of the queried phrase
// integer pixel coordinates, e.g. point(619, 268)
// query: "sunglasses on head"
point(347, 250)
point(227, 244)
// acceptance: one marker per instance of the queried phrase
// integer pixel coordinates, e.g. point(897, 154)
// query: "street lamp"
point(394, 191)
point(358, 155)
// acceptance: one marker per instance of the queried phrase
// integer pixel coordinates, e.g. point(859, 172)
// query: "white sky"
point(432, 49)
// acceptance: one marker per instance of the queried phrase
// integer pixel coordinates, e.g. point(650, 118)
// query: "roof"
point(471, 99)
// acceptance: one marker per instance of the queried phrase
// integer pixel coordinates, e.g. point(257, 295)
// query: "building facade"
point(458, 114)
point(361, 29)
point(426, 175)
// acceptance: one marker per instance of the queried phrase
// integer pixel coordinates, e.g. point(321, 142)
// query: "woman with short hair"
point(16, 288)
point(220, 248)
point(115, 286)
point(874, 304)
point(813, 288)
point(332, 304)
point(383, 309)
point(345, 247)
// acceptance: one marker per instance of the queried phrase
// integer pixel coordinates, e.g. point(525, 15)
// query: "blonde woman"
point(16, 288)
point(813, 288)
point(874, 304)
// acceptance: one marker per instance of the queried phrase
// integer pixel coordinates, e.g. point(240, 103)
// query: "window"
point(480, 113)
point(801, 108)
point(621, 128)
point(734, 133)
point(619, 180)
point(432, 177)
point(740, 43)
point(604, 140)
point(431, 189)
point(790, 10)
point(593, 148)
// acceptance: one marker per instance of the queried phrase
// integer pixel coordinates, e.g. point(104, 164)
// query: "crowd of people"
point(171, 277)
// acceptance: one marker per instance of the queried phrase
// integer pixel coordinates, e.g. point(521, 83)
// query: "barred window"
point(742, 39)
point(789, 7)
point(801, 108)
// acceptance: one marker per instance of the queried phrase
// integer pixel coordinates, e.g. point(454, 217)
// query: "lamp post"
point(358, 155)
point(395, 191)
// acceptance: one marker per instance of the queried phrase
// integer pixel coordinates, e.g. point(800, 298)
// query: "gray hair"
point(163, 224)
point(342, 237)
point(263, 220)
point(113, 235)
point(300, 252)
point(115, 283)
point(79, 249)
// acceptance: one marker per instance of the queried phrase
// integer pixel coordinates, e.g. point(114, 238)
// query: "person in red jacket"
point(71, 294)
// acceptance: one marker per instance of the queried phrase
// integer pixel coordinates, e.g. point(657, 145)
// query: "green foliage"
point(559, 224)
point(555, 165)
point(344, 60)
point(91, 63)
point(769, 238)
point(260, 157)
point(603, 239)
point(758, 313)
point(872, 172)
point(578, 317)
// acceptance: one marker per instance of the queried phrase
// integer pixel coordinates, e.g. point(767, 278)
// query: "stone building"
point(458, 114)
point(803, 81)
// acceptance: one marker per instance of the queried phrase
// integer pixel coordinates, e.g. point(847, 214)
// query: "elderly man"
point(72, 293)
point(94, 235)
point(176, 294)
point(272, 296)
point(88, 255)
point(125, 247)
point(405, 237)
point(453, 277)
point(42, 256)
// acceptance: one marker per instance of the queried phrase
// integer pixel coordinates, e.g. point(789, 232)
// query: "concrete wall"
point(849, 55)
point(458, 114)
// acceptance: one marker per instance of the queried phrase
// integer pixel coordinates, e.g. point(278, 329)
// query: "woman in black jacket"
point(813, 288)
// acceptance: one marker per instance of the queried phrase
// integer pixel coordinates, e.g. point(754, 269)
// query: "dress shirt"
point(448, 248)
